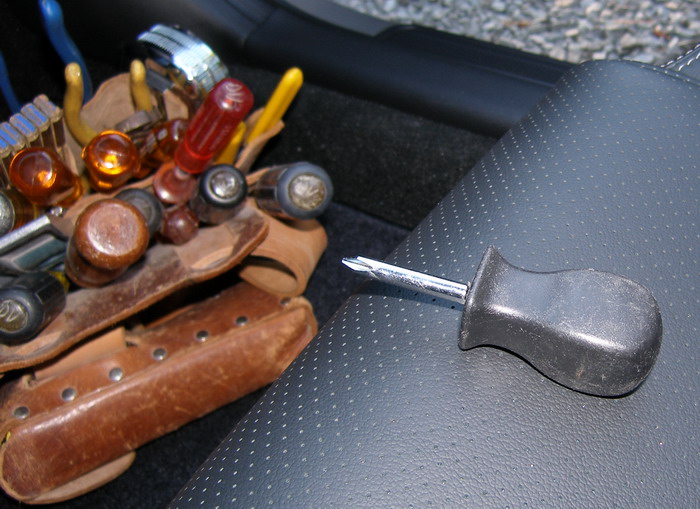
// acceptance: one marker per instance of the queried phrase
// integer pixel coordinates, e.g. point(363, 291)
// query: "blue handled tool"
point(53, 24)
point(7, 90)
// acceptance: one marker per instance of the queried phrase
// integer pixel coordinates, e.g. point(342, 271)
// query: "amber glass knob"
point(40, 175)
point(111, 159)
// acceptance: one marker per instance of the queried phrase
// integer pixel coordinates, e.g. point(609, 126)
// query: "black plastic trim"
point(457, 80)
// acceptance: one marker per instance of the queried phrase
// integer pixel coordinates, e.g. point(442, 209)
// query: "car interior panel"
point(440, 148)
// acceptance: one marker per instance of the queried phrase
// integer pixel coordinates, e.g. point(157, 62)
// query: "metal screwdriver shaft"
point(443, 288)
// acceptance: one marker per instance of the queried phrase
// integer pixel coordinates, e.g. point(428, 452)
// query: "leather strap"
point(251, 151)
point(163, 270)
point(284, 261)
point(90, 413)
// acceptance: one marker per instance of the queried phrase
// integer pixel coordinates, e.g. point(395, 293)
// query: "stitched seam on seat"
point(690, 62)
point(678, 59)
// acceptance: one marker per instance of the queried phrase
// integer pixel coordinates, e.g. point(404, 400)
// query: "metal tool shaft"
point(51, 222)
point(417, 281)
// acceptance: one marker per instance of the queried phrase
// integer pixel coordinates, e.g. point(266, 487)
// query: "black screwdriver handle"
point(591, 331)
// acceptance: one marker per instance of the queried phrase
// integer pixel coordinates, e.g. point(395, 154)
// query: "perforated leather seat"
point(383, 409)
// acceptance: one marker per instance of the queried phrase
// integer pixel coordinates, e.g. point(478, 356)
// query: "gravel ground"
point(576, 31)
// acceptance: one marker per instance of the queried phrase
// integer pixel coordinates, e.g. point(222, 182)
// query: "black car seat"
point(384, 409)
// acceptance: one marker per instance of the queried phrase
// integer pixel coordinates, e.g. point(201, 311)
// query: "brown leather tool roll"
point(73, 425)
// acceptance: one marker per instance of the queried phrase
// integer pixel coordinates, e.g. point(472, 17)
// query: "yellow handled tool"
point(228, 154)
point(139, 88)
point(73, 102)
point(279, 102)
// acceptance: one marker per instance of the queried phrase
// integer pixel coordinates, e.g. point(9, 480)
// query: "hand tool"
point(28, 304)
point(35, 242)
point(183, 59)
point(42, 177)
point(279, 102)
point(6, 86)
point(230, 151)
point(159, 144)
point(73, 103)
point(159, 85)
point(52, 16)
point(147, 204)
point(13, 137)
point(591, 331)
point(23, 126)
point(51, 222)
point(180, 225)
point(43, 252)
point(294, 191)
point(213, 125)
point(221, 193)
point(139, 88)
point(109, 236)
point(111, 159)
point(207, 134)
point(139, 127)
point(40, 121)
point(5, 160)
point(139, 123)
point(15, 210)
point(55, 116)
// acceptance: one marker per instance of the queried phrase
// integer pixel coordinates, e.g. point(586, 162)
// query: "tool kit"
point(185, 187)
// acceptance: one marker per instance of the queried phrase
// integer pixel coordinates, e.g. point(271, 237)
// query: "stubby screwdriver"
point(591, 331)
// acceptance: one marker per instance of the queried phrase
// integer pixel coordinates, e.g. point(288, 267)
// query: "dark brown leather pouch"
point(73, 425)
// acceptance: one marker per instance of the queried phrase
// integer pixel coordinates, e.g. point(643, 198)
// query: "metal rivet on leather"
point(383, 409)
point(160, 353)
point(69, 394)
point(116, 374)
point(21, 412)
point(201, 336)
point(241, 321)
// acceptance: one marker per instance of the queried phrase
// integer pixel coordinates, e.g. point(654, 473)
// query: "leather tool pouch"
point(76, 404)
point(73, 426)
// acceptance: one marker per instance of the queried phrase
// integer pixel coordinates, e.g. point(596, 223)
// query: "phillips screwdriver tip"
point(406, 278)
point(357, 264)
